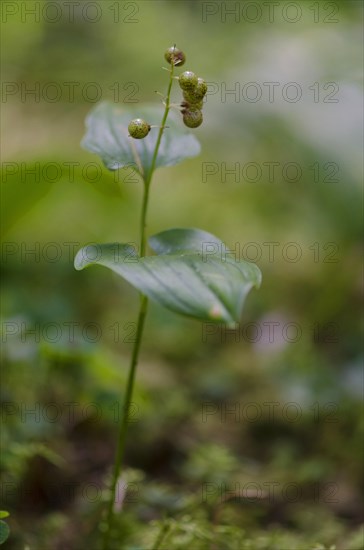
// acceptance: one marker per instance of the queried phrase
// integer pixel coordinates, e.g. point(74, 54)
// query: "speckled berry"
point(138, 128)
point(200, 91)
point(188, 81)
point(193, 118)
point(174, 56)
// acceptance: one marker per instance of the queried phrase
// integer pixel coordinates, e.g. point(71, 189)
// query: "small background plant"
point(4, 528)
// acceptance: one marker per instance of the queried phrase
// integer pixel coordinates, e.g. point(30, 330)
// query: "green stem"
point(143, 219)
point(140, 325)
point(149, 176)
point(162, 126)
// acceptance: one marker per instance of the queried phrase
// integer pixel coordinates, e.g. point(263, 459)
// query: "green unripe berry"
point(174, 56)
point(188, 81)
point(200, 91)
point(193, 118)
point(138, 128)
point(189, 99)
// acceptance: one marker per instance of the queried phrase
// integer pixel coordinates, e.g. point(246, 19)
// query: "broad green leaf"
point(107, 135)
point(206, 245)
point(4, 514)
point(205, 287)
point(4, 531)
point(193, 240)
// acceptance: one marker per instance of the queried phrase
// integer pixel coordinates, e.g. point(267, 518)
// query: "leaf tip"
point(85, 256)
point(78, 264)
point(216, 313)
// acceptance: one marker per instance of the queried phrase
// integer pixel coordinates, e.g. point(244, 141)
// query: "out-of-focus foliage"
point(246, 439)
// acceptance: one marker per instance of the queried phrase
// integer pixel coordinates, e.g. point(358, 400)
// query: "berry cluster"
point(194, 90)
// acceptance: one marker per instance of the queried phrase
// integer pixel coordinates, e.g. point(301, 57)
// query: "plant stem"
point(139, 334)
point(162, 126)
point(143, 219)
point(149, 176)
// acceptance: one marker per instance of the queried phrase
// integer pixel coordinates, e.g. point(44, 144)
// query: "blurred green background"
point(278, 402)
